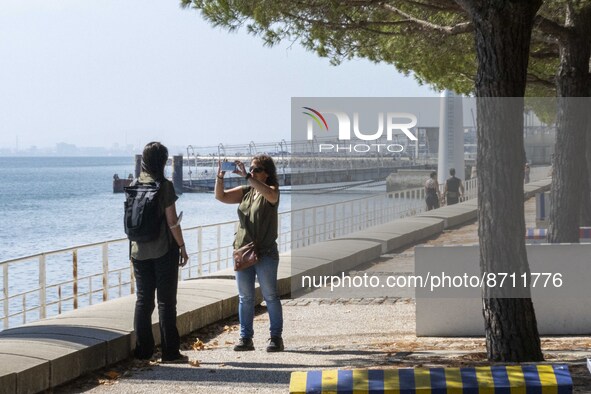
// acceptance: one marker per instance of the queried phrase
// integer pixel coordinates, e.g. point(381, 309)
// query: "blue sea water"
point(49, 203)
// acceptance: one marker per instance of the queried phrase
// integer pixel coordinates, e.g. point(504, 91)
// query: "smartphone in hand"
point(228, 166)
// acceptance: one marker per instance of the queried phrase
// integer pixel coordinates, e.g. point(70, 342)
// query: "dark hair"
point(452, 171)
point(154, 159)
point(268, 165)
point(433, 174)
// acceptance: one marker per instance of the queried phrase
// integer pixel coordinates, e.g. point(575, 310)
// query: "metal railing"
point(87, 274)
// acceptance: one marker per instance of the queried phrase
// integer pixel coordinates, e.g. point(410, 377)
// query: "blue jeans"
point(266, 272)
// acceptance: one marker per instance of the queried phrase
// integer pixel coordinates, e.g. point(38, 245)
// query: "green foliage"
point(342, 30)
point(545, 108)
point(414, 36)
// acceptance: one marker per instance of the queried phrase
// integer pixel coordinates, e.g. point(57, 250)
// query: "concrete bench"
point(488, 379)
point(449, 311)
point(399, 233)
point(452, 215)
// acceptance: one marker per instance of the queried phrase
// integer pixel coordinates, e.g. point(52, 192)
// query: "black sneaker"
point(180, 359)
point(275, 344)
point(243, 345)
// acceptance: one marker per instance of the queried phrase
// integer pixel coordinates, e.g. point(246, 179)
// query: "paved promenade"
point(320, 332)
point(325, 331)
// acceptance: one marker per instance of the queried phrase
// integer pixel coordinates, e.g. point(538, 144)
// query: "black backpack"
point(143, 216)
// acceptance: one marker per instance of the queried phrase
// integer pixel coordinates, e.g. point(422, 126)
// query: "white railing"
point(93, 273)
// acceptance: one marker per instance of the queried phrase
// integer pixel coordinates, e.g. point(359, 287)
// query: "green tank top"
point(258, 219)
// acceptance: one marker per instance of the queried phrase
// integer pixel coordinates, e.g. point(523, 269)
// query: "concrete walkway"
point(53, 351)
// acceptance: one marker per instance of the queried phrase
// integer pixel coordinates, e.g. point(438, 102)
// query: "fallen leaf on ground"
point(112, 374)
point(194, 363)
point(198, 345)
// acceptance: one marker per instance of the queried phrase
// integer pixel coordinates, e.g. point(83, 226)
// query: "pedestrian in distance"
point(258, 203)
point(526, 173)
point(156, 261)
point(454, 188)
point(432, 193)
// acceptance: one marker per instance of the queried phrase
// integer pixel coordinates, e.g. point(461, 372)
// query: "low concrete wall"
point(452, 215)
point(559, 311)
point(398, 233)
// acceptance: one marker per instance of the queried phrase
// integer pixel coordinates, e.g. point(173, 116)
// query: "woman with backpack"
point(257, 210)
point(156, 263)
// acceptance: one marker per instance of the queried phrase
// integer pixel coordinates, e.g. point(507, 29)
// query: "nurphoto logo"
point(391, 122)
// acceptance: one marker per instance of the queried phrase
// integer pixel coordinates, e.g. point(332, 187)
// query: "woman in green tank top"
point(258, 202)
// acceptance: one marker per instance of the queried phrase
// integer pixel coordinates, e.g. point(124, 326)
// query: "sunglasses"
point(256, 170)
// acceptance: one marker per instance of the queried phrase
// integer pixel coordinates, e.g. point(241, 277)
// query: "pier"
point(298, 163)
point(187, 177)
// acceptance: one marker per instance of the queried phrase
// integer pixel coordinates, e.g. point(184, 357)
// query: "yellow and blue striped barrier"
point(513, 379)
point(541, 233)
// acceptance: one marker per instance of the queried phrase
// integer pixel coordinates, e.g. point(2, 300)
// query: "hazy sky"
point(94, 73)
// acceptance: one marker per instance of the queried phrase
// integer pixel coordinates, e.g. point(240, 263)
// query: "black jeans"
point(159, 275)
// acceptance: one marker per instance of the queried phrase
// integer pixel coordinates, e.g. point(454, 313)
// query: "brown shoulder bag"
point(245, 257)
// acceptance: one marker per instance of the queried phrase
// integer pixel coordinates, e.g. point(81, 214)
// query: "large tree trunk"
point(586, 196)
point(571, 129)
point(586, 199)
point(503, 31)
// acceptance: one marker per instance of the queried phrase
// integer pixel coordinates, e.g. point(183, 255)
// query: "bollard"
point(543, 206)
point(138, 165)
point(177, 173)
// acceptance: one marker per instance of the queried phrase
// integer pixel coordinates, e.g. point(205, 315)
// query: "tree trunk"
point(503, 31)
point(571, 129)
point(586, 201)
point(586, 198)
point(585, 194)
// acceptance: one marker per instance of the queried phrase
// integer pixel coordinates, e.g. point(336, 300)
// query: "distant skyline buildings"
point(63, 149)
point(66, 149)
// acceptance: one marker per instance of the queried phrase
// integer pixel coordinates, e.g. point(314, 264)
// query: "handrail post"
point(304, 227)
point(200, 251)
point(24, 308)
point(334, 221)
point(352, 220)
point(75, 277)
point(314, 212)
point(42, 286)
point(5, 290)
point(90, 290)
point(219, 239)
point(367, 216)
point(105, 248)
point(324, 221)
